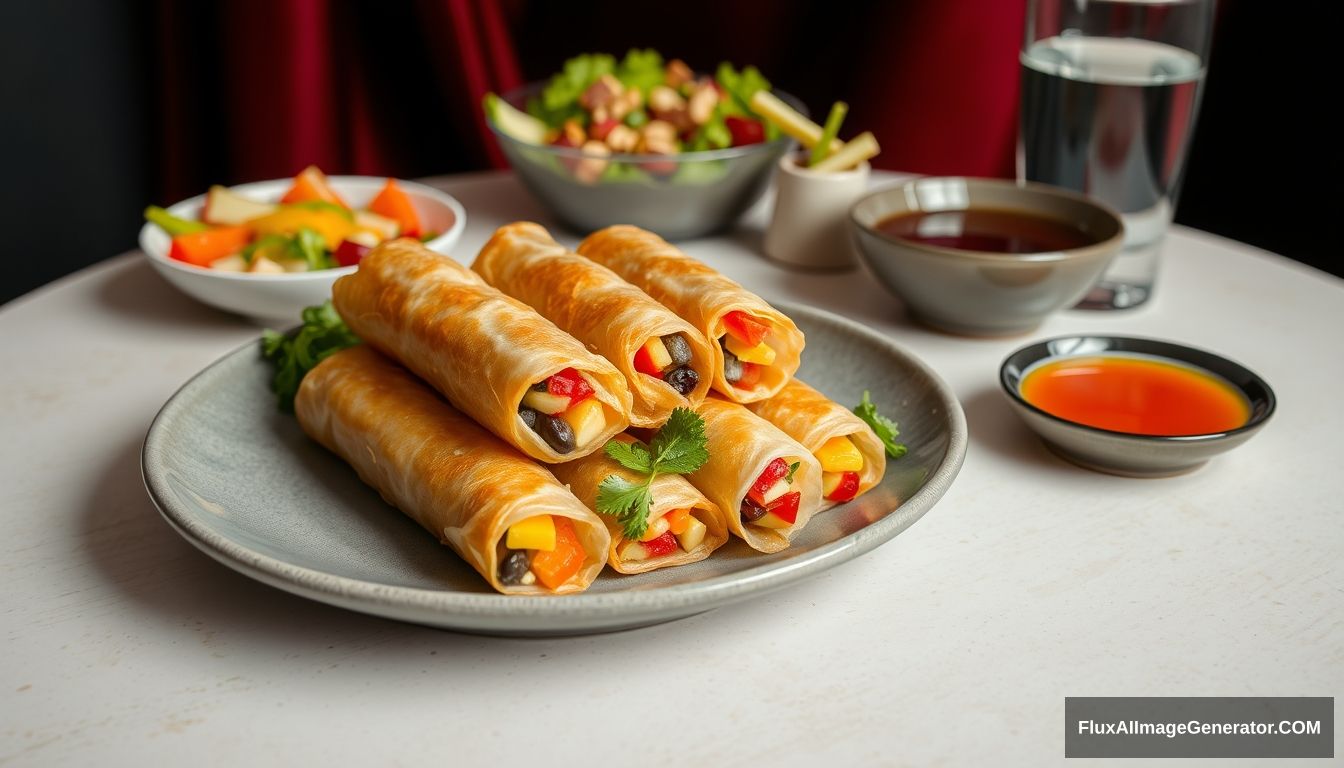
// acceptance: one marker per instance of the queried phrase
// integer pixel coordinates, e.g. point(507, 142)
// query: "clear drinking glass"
point(1109, 95)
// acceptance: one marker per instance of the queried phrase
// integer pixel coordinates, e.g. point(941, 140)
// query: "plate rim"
point(580, 613)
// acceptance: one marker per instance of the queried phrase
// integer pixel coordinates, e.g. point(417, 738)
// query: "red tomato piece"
point(568, 383)
point(663, 545)
point(744, 130)
point(773, 472)
point(847, 489)
point(349, 253)
point(745, 328)
point(644, 363)
point(751, 374)
point(786, 507)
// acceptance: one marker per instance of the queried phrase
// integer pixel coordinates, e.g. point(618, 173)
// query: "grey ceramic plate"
point(243, 483)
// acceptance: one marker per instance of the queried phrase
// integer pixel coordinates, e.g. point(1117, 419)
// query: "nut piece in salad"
point(639, 105)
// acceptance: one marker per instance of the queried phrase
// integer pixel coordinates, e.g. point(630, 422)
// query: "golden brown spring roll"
point(456, 480)
point(842, 443)
point(751, 476)
point(684, 526)
point(492, 356)
point(756, 346)
point(666, 362)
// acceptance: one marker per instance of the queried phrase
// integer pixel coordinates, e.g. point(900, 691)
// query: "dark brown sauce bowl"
point(983, 293)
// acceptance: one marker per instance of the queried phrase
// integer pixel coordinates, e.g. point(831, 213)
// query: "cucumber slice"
point(513, 122)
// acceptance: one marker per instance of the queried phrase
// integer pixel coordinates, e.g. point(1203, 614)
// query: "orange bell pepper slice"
point(311, 184)
point(201, 248)
point(395, 204)
point(745, 328)
point(559, 565)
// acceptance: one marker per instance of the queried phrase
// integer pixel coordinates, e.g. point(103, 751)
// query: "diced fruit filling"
point(562, 410)
point(839, 486)
point(677, 530)
point(745, 350)
point(668, 358)
point(543, 548)
point(769, 502)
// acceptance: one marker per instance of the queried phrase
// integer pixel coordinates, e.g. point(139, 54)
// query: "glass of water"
point(1110, 90)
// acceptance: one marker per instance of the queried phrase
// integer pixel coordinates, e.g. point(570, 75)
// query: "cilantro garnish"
point(322, 335)
point(678, 448)
point(884, 428)
point(792, 469)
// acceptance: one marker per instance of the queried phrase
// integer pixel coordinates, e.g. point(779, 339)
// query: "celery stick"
point(828, 133)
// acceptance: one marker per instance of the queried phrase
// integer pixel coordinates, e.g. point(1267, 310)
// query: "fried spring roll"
point(852, 459)
point(492, 356)
point(666, 362)
point(767, 483)
point(756, 346)
point(684, 526)
point(459, 482)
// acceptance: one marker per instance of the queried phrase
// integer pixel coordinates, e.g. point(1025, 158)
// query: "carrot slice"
point(311, 184)
point(560, 564)
point(201, 248)
point(395, 204)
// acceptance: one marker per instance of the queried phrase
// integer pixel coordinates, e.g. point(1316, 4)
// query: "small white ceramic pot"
point(809, 227)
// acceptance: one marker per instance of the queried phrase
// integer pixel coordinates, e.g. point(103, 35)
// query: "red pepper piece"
point(745, 328)
point(644, 363)
point(568, 383)
point(773, 472)
point(847, 489)
point(751, 373)
point(663, 545)
point(349, 253)
point(786, 507)
point(744, 130)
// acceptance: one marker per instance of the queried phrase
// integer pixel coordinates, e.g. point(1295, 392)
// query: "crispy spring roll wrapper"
point(701, 296)
point(740, 445)
point(478, 347)
point(669, 492)
point(458, 481)
point(812, 418)
point(595, 306)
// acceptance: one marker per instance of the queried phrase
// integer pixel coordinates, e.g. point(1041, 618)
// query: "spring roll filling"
point(770, 502)
point(841, 462)
point(746, 348)
point(561, 409)
point(677, 530)
point(542, 548)
point(668, 358)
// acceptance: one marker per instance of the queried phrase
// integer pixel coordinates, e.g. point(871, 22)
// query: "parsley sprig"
point(677, 448)
point(884, 428)
point(322, 335)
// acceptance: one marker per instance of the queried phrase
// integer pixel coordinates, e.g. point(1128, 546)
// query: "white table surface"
point(954, 644)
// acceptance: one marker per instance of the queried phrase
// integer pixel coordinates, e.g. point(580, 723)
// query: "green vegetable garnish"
point(173, 225)
point(822, 148)
point(322, 335)
point(884, 428)
point(273, 247)
point(641, 69)
point(678, 448)
point(323, 205)
point(312, 248)
point(792, 469)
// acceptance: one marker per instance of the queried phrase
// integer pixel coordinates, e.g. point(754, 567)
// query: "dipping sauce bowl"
point(1133, 406)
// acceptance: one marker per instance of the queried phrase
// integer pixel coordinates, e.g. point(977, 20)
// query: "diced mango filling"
point(759, 354)
point(532, 533)
point(587, 420)
point(840, 454)
point(677, 529)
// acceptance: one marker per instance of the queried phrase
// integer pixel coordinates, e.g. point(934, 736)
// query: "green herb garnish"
point(322, 335)
point(884, 428)
point(678, 448)
point(792, 468)
point(311, 247)
point(173, 225)
point(274, 247)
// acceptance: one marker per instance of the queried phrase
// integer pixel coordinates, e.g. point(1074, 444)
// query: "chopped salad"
point(639, 105)
point(310, 228)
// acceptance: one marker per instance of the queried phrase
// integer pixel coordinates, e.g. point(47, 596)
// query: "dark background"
point(86, 118)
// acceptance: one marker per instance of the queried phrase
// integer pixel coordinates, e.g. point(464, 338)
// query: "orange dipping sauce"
point(1138, 395)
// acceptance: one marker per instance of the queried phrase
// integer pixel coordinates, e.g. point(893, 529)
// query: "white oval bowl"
point(281, 297)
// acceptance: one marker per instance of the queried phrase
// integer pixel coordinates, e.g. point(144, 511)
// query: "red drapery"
point(251, 89)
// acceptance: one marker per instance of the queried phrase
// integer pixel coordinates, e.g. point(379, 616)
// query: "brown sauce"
point(986, 229)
